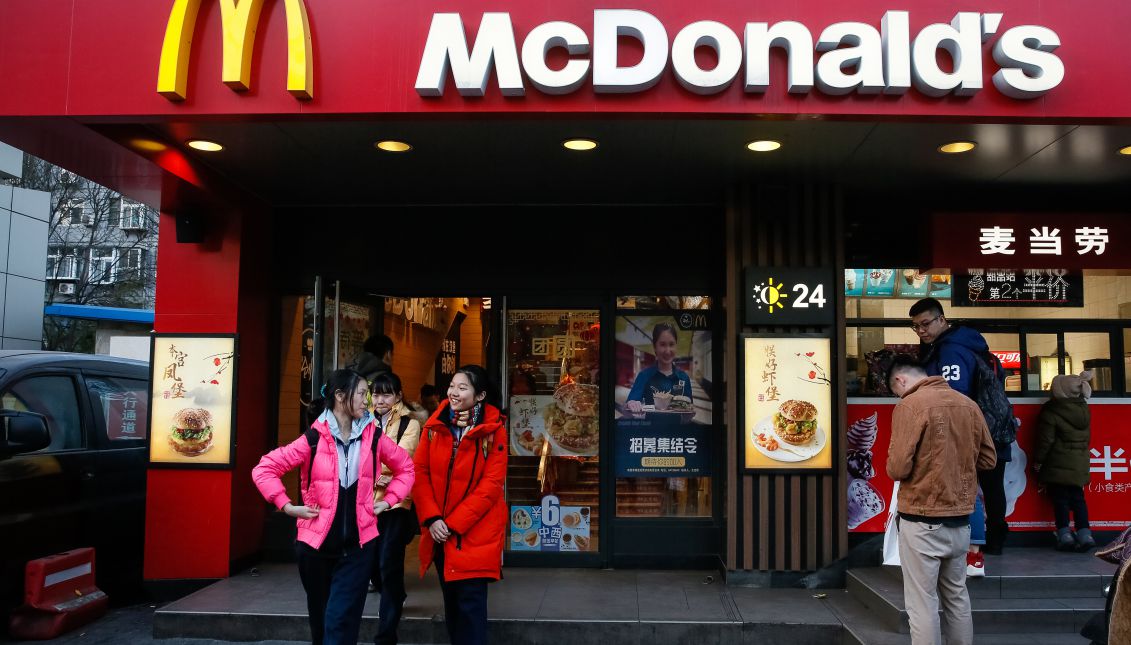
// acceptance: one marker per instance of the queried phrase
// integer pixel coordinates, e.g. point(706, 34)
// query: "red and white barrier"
point(59, 595)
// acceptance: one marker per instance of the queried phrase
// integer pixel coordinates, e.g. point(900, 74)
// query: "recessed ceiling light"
point(393, 146)
point(579, 144)
point(147, 145)
point(955, 147)
point(766, 145)
point(1125, 150)
point(205, 146)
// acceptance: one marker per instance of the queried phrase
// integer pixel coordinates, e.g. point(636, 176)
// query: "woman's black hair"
point(338, 381)
point(661, 328)
point(480, 382)
point(386, 383)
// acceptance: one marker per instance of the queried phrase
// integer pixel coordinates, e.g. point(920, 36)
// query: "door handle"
point(87, 475)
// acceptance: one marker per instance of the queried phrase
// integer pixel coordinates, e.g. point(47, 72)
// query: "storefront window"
point(1007, 349)
point(664, 411)
point(1044, 360)
point(1089, 351)
point(1127, 360)
point(869, 351)
point(553, 400)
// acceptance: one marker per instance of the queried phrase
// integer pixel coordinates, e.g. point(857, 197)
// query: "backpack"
point(989, 394)
point(312, 439)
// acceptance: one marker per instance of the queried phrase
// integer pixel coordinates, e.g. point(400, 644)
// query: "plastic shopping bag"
point(891, 531)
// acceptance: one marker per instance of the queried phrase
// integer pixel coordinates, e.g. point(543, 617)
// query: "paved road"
point(133, 625)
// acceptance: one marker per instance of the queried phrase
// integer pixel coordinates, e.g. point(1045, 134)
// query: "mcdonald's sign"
point(240, 20)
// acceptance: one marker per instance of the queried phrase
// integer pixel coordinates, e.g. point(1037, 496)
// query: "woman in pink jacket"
point(337, 526)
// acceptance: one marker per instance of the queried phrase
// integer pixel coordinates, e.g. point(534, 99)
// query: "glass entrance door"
point(552, 386)
point(666, 446)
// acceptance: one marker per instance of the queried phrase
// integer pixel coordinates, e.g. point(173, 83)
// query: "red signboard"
point(1029, 240)
point(1009, 360)
point(102, 58)
point(1108, 494)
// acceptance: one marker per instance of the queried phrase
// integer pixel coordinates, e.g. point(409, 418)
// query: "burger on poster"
point(795, 422)
point(192, 431)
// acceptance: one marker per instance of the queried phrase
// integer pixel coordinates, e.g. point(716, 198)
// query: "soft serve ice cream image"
point(864, 501)
point(975, 287)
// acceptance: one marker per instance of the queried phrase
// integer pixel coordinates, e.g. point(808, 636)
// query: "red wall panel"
point(186, 524)
point(102, 58)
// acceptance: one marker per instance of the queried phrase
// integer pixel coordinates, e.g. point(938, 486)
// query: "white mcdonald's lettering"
point(845, 58)
point(240, 22)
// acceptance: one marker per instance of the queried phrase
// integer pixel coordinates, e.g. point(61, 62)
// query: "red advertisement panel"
point(1028, 240)
point(868, 434)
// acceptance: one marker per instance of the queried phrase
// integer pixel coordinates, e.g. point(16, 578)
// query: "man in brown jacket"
point(939, 441)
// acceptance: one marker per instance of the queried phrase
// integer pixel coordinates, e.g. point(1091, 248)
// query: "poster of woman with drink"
point(788, 403)
point(664, 368)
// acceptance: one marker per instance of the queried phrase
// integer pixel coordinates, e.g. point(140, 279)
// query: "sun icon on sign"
point(770, 295)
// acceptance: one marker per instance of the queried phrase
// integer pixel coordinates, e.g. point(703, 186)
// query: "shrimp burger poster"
point(787, 420)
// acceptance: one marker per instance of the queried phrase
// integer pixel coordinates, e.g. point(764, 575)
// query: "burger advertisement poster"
point(192, 400)
point(787, 420)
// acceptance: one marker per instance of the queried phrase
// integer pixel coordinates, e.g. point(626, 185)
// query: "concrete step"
point(863, 627)
point(530, 606)
point(881, 591)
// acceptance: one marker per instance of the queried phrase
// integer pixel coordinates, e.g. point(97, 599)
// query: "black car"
point(72, 465)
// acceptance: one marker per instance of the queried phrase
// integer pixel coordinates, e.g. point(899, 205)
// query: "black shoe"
point(992, 550)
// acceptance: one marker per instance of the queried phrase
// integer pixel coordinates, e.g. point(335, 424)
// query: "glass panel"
point(869, 351)
point(1089, 351)
point(553, 369)
point(1043, 360)
point(120, 405)
point(1127, 360)
point(1008, 350)
point(670, 303)
point(53, 397)
point(664, 412)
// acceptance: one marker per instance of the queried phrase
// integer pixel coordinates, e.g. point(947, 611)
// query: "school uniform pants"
point(993, 493)
point(465, 606)
point(1067, 499)
point(335, 587)
point(396, 528)
point(933, 558)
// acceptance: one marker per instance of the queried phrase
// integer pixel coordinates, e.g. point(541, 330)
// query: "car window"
point(119, 407)
point(53, 397)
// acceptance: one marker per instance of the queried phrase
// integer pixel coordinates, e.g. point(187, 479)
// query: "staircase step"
point(881, 591)
point(863, 627)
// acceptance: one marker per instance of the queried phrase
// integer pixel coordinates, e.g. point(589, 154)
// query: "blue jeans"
point(978, 521)
point(335, 592)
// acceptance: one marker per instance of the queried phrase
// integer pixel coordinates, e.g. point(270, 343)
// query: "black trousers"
point(1066, 499)
point(993, 494)
point(396, 528)
point(335, 592)
point(465, 606)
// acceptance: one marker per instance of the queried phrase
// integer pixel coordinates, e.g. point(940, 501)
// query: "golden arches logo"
point(240, 21)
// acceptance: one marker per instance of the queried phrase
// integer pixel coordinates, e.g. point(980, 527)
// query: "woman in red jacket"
point(461, 463)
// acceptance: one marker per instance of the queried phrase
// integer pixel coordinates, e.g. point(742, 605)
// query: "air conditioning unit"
point(67, 288)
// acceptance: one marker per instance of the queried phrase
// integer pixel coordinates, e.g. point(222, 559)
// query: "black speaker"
point(190, 228)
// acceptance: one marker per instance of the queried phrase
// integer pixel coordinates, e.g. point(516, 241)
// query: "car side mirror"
point(22, 432)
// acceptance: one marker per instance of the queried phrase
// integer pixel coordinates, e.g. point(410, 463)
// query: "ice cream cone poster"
point(192, 400)
point(788, 403)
